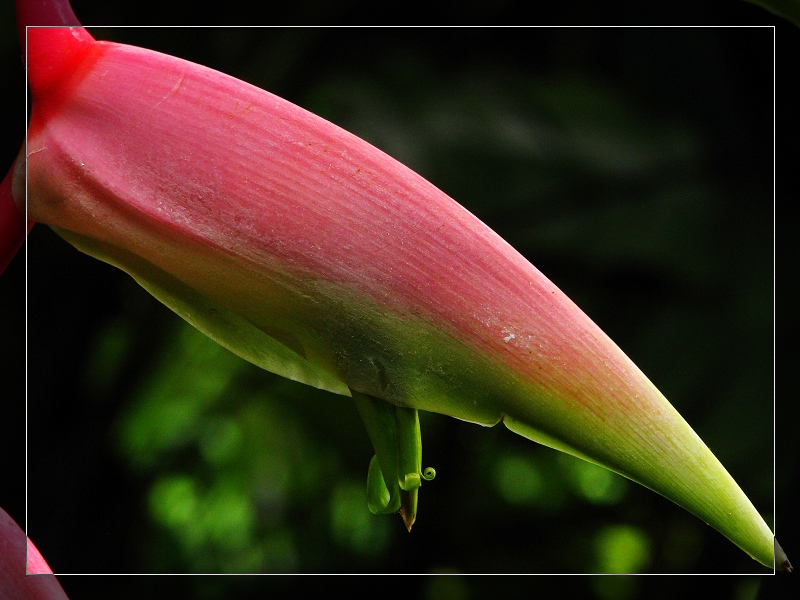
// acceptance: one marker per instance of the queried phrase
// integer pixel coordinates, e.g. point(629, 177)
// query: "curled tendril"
point(429, 473)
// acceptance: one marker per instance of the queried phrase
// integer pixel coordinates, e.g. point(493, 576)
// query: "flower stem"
point(43, 12)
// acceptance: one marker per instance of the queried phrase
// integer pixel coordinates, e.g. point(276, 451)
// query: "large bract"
point(316, 256)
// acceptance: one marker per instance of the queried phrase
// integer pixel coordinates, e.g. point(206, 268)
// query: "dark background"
point(634, 167)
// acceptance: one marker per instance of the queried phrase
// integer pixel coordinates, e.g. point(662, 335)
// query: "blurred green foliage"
point(633, 167)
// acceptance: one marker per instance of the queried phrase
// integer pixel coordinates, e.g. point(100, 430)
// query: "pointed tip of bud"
point(783, 564)
point(408, 518)
point(410, 523)
point(408, 507)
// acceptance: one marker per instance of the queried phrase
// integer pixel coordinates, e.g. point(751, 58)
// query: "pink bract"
point(316, 256)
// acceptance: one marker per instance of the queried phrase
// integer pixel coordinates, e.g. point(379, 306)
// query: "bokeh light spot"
point(220, 441)
point(622, 549)
point(518, 480)
point(595, 483)
point(173, 501)
point(228, 517)
point(353, 526)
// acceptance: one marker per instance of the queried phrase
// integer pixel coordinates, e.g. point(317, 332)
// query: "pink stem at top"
point(43, 12)
point(49, 63)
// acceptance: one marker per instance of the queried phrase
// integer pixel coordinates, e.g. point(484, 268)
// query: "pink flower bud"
point(316, 256)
